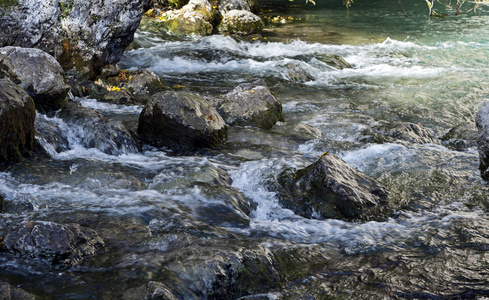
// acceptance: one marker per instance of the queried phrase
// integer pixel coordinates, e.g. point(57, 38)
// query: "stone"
point(96, 131)
point(83, 34)
point(228, 5)
point(17, 116)
point(461, 137)
point(181, 121)
point(240, 22)
point(482, 123)
point(195, 18)
point(400, 131)
point(330, 188)
point(297, 71)
point(2, 203)
point(40, 75)
point(253, 104)
point(335, 61)
point(61, 245)
point(8, 292)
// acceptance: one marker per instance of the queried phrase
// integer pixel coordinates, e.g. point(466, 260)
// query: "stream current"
point(432, 72)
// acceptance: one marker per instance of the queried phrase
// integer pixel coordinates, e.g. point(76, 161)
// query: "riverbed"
point(160, 213)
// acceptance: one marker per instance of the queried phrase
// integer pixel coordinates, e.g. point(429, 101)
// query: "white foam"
point(109, 107)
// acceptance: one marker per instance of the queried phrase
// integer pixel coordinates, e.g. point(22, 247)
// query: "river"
point(429, 71)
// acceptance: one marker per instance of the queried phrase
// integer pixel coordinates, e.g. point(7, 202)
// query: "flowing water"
point(428, 71)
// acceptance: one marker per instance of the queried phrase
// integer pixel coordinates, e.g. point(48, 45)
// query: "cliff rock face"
point(82, 34)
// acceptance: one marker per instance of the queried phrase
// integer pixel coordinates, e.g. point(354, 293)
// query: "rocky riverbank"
point(69, 50)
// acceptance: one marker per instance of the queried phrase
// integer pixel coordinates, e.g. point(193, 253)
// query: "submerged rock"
point(61, 245)
point(330, 188)
point(97, 131)
point(482, 122)
point(195, 18)
point(220, 270)
point(240, 22)
point(181, 121)
point(17, 116)
point(8, 292)
point(251, 104)
point(50, 136)
point(404, 131)
point(335, 61)
point(461, 137)
point(297, 71)
point(82, 34)
point(40, 75)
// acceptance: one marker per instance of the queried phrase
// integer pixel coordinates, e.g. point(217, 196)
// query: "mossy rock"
point(240, 22)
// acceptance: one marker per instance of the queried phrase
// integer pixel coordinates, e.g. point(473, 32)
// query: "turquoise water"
point(429, 71)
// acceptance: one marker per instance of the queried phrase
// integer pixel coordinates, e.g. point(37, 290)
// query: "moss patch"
point(7, 3)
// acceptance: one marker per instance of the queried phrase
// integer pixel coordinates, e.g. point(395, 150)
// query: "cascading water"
point(431, 72)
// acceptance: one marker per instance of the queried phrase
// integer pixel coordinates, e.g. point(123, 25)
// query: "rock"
point(181, 121)
point(482, 123)
point(228, 5)
point(17, 115)
point(2, 203)
point(251, 104)
point(40, 76)
point(297, 71)
point(50, 137)
point(461, 137)
point(140, 85)
point(240, 22)
point(330, 188)
point(221, 270)
point(153, 290)
point(8, 292)
point(123, 97)
point(335, 61)
point(82, 34)
point(97, 131)
point(61, 245)
point(195, 18)
point(404, 131)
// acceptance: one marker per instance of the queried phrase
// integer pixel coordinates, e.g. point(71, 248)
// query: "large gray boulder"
point(61, 245)
point(482, 123)
point(96, 131)
point(40, 75)
point(253, 104)
point(17, 115)
point(461, 137)
point(330, 188)
point(82, 34)
point(181, 121)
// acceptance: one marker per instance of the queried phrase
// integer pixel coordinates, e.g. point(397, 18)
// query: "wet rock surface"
point(81, 34)
point(17, 115)
point(482, 123)
point(61, 245)
point(461, 137)
point(330, 188)
point(403, 131)
point(195, 18)
point(97, 131)
point(8, 292)
point(251, 103)
point(40, 75)
point(181, 121)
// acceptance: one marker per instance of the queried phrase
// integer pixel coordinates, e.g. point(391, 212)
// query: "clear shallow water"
point(428, 71)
